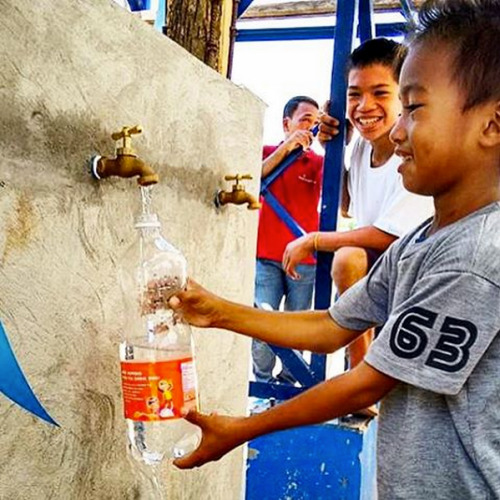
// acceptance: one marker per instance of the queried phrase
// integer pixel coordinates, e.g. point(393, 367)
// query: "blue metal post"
point(366, 24)
point(334, 157)
point(243, 6)
point(137, 5)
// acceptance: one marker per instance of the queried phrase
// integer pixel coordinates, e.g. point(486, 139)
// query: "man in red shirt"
point(298, 190)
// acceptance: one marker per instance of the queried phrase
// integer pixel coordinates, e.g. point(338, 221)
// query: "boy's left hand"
point(220, 435)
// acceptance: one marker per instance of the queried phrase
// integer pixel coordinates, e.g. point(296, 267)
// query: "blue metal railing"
point(311, 33)
point(316, 371)
point(348, 11)
point(334, 157)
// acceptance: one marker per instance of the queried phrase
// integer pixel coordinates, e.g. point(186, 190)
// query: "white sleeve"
point(366, 303)
point(405, 212)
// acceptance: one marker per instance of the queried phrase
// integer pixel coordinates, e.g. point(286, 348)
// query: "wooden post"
point(202, 28)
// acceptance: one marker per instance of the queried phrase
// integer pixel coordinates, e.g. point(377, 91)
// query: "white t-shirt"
point(378, 197)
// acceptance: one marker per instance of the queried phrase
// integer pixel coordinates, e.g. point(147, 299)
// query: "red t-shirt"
point(298, 189)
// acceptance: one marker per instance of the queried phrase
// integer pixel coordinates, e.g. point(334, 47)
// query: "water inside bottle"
point(153, 440)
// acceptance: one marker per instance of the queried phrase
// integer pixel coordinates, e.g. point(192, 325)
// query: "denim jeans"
point(271, 285)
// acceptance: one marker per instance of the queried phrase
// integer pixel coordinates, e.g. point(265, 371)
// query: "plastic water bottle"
point(157, 354)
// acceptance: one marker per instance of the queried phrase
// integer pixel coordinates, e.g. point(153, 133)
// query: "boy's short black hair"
point(471, 28)
point(292, 105)
point(378, 51)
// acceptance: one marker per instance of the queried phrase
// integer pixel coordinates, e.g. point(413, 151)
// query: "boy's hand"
point(295, 252)
point(220, 435)
point(328, 128)
point(196, 305)
point(297, 138)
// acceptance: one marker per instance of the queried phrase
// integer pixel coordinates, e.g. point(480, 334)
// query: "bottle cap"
point(147, 220)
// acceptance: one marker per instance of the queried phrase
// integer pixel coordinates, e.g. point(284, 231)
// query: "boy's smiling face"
point(435, 138)
point(372, 100)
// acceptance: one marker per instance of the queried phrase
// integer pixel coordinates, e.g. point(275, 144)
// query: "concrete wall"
point(73, 72)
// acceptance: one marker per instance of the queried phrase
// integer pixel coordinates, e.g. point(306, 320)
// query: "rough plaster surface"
point(72, 73)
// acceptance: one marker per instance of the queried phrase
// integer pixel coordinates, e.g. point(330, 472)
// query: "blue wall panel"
point(317, 462)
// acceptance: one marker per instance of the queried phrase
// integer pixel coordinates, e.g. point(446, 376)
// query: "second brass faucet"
point(237, 195)
point(126, 163)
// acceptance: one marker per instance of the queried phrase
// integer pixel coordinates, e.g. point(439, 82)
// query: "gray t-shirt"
point(439, 301)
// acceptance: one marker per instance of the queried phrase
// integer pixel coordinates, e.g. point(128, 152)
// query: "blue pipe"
point(296, 365)
point(285, 163)
point(281, 212)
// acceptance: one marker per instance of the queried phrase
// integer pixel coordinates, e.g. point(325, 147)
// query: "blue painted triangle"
point(13, 383)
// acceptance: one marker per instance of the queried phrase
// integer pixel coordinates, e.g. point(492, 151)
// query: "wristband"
point(315, 241)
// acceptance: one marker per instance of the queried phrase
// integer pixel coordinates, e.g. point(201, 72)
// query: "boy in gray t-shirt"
point(439, 300)
point(436, 363)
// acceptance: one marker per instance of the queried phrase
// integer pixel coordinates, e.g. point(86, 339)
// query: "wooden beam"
point(202, 28)
point(311, 8)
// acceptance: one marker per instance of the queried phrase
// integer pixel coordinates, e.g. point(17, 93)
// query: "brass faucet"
point(237, 195)
point(126, 163)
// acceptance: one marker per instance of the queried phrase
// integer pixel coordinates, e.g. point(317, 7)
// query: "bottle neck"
point(149, 232)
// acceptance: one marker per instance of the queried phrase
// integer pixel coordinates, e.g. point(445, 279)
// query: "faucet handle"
point(125, 134)
point(238, 178)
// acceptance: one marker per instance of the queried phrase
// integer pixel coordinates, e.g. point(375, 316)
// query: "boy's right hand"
point(296, 251)
point(197, 306)
point(297, 138)
point(220, 435)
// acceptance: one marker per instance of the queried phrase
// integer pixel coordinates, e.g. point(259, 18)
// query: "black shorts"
point(372, 256)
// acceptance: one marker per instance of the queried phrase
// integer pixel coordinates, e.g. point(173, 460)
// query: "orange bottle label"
point(158, 390)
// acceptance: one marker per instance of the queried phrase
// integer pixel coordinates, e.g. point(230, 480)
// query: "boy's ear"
point(490, 136)
point(285, 124)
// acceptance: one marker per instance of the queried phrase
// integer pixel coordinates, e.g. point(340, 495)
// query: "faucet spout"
point(124, 165)
point(237, 197)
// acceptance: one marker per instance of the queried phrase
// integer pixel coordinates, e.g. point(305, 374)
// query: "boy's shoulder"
point(487, 249)
point(470, 245)
point(357, 145)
